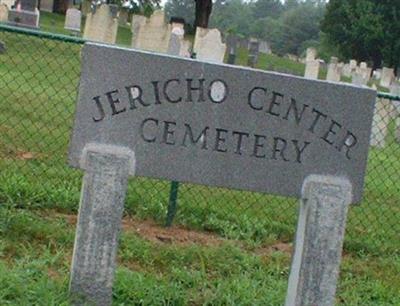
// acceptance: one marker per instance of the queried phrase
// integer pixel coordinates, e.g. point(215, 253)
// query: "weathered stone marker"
point(319, 239)
point(185, 120)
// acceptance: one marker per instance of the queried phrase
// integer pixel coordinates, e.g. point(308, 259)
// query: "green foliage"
point(287, 27)
point(299, 25)
point(267, 8)
point(181, 8)
point(366, 30)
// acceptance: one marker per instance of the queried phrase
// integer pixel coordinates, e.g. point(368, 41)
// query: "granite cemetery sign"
point(152, 115)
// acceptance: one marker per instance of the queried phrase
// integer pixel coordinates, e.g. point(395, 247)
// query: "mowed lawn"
point(227, 247)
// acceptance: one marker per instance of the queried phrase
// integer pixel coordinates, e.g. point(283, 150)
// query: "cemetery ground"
point(227, 247)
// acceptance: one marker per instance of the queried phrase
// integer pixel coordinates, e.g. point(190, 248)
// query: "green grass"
point(34, 269)
point(38, 81)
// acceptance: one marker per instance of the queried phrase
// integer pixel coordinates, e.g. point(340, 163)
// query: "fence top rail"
point(388, 96)
point(37, 33)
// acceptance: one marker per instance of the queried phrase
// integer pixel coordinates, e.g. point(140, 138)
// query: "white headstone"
point(137, 22)
point(3, 13)
point(387, 77)
point(102, 25)
point(264, 47)
point(311, 54)
point(380, 123)
point(208, 45)
point(9, 3)
point(151, 34)
point(73, 20)
point(312, 69)
point(334, 70)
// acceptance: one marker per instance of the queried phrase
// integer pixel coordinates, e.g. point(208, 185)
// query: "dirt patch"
point(180, 235)
point(283, 247)
point(151, 231)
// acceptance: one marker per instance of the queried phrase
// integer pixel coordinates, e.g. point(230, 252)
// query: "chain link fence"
point(39, 75)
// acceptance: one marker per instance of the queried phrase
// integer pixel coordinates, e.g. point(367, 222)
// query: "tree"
point(202, 13)
point(267, 8)
point(367, 30)
point(300, 25)
point(181, 8)
point(232, 16)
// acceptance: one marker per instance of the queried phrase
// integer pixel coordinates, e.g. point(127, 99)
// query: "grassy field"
point(227, 248)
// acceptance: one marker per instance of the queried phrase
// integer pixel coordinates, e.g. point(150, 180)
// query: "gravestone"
point(85, 7)
point(186, 47)
point(231, 46)
point(312, 64)
point(25, 14)
point(73, 20)
point(9, 3)
point(254, 46)
point(174, 45)
point(334, 70)
point(137, 22)
point(151, 34)
point(380, 123)
point(208, 45)
point(47, 5)
point(357, 78)
point(217, 125)
point(264, 47)
point(102, 24)
point(3, 13)
point(387, 77)
point(177, 45)
point(377, 74)
point(312, 69)
point(365, 71)
point(311, 54)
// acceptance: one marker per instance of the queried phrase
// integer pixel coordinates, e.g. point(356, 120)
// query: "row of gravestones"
point(360, 75)
point(154, 34)
point(385, 110)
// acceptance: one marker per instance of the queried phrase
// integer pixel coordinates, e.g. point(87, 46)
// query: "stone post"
point(319, 240)
point(102, 200)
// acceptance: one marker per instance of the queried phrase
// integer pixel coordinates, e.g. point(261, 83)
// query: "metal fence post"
point(172, 205)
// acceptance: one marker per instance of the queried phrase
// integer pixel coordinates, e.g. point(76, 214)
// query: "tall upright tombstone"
point(25, 14)
point(387, 77)
point(334, 70)
point(137, 22)
point(254, 48)
point(151, 34)
point(176, 44)
point(9, 3)
point(265, 47)
point(231, 46)
point(312, 64)
point(102, 24)
point(224, 126)
point(73, 19)
point(208, 45)
point(3, 12)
